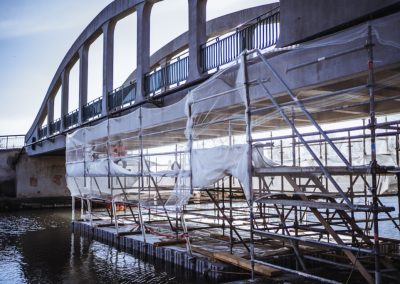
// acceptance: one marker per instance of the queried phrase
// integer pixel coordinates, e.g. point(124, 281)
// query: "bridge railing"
point(71, 119)
point(12, 142)
point(260, 33)
point(55, 126)
point(173, 73)
point(92, 109)
point(42, 132)
point(122, 96)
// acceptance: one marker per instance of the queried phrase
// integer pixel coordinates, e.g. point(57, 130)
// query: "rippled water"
point(38, 247)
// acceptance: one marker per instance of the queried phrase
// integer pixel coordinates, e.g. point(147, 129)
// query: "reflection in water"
point(38, 247)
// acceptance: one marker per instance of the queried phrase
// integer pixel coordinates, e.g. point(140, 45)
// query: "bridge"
point(186, 61)
point(180, 65)
point(200, 115)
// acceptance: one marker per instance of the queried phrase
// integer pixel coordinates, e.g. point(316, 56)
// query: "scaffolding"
point(217, 166)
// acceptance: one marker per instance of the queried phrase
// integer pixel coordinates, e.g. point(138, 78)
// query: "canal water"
point(38, 247)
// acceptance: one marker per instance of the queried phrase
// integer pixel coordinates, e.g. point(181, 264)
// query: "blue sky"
point(36, 34)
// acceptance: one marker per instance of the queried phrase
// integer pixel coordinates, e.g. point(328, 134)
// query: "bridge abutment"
point(38, 177)
point(7, 172)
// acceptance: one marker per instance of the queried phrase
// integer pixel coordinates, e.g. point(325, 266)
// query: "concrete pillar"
point(83, 80)
point(143, 11)
point(163, 63)
point(108, 63)
point(64, 95)
point(197, 36)
point(50, 113)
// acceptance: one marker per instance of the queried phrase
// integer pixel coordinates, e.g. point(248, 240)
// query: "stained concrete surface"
point(7, 172)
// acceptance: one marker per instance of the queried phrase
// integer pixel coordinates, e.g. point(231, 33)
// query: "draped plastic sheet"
point(193, 152)
point(216, 129)
point(105, 161)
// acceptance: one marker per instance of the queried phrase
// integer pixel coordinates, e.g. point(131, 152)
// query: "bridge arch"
point(139, 82)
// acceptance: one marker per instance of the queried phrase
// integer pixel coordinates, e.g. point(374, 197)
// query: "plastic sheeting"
point(199, 140)
point(121, 157)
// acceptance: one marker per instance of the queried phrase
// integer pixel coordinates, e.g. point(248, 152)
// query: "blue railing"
point(12, 142)
point(55, 126)
point(122, 96)
point(71, 119)
point(260, 33)
point(92, 109)
point(42, 132)
point(173, 73)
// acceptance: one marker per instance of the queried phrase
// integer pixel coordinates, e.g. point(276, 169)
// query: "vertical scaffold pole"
point(73, 209)
point(141, 180)
point(230, 197)
point(89, 203)
point(84, 173)
point(82, 207)
point(114, 210)
point(183, 223)
point(109, 182)
point(249, 158)
point(374, 165)
point(398, 175)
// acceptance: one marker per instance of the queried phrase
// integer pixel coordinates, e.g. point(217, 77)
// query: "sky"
point(36, 35)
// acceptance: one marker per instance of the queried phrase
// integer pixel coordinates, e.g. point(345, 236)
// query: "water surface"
point(38, 247)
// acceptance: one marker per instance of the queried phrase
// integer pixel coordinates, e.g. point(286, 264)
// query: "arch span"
point(104, 24)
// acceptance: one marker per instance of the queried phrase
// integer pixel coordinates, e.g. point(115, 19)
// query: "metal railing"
point(42, 132)
point(92, 109)
point(122, 96)
point(55, 126)
point(12, 142)
point(260, 33)
point(174, 72)
point(71, 119)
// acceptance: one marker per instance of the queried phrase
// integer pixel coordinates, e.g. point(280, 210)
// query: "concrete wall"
point(7, 173)
point(42, 176)
point(303, 19)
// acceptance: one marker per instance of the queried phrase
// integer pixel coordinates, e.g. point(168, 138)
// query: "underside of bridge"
point(284, 160)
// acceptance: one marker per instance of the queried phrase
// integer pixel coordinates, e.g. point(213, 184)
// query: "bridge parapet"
point(8, 142)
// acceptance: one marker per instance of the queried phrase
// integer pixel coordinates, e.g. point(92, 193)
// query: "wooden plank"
point(108, 225)
point(169, 243)
point(129, 233)
point(238, 261)
point(221, 237)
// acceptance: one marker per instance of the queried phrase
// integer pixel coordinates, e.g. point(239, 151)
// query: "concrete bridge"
point(168, 74)
point(156, 74)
